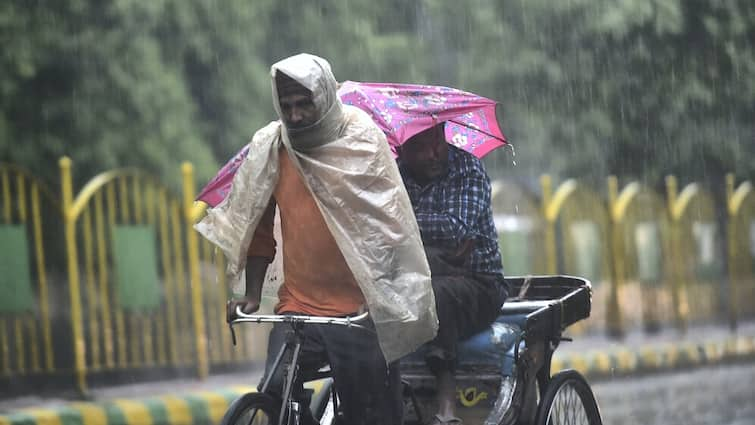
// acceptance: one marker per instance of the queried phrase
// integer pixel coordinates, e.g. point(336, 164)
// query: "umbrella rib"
point(479, 130)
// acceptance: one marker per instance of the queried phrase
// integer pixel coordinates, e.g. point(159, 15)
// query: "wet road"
point(718, 395)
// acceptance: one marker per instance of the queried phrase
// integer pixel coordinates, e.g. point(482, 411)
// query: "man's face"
point(426, 154)
point(298, 110)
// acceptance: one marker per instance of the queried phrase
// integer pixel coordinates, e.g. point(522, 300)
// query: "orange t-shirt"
point(317, 280)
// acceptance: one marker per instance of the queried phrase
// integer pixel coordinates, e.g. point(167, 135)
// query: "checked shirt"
point(457, 207)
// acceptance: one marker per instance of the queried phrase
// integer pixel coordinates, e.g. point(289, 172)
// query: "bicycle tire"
point(240, 411)
point(568, 400)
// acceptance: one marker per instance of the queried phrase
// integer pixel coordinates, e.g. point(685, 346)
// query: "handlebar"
point(349, 321)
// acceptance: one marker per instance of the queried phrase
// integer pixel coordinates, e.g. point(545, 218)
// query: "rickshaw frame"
point(540, 307)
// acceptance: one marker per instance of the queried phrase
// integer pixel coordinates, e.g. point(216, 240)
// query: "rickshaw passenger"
point(450, 193)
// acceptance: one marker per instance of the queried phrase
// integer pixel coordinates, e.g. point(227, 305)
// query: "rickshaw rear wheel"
point(568, 400)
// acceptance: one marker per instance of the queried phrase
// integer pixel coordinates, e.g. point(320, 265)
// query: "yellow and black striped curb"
point(198, 408)
point(208, 407)
point(625, 361)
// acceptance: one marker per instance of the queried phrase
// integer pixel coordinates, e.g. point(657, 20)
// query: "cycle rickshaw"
point(503, 377)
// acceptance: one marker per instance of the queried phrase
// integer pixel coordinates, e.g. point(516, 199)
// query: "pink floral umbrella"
point(401, 111)
point(217, 189)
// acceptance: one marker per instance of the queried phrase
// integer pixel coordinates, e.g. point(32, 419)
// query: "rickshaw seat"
point(485, 351)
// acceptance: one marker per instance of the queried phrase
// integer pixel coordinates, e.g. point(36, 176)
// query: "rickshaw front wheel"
point(252, 409)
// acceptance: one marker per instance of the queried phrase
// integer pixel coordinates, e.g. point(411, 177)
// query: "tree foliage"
point(641, 88)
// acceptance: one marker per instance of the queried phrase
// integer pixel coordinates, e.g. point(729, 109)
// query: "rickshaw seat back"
point(489, 352)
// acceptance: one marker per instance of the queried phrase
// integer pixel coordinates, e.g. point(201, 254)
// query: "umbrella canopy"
point(401, 111)
point(220, 185)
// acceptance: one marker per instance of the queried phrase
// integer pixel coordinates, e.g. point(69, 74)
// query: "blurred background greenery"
point(637, 88)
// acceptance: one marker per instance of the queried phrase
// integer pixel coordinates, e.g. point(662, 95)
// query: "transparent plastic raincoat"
point(347, 165)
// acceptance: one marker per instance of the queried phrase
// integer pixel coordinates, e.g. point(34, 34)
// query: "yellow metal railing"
point(24, 198)
point(106, 335)
point(740, 209)
point(695, 297)
point(614, 316)
point(187, 328)
point(638, 221)
point(584, 222)
point(209, 270)
point(196, 289)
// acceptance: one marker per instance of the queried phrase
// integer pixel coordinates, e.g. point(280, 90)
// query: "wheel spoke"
point(567, 408)
point(568, 400)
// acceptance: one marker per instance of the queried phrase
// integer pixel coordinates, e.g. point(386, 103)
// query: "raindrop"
point(513, 153)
